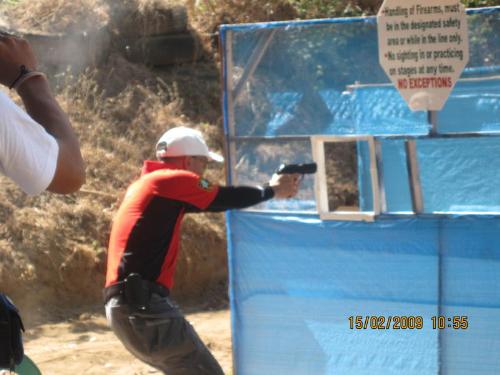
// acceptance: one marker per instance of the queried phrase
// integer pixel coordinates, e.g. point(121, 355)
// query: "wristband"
point(24, 75)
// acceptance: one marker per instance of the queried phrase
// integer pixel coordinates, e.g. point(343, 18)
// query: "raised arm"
point(16, 62)
point(235, 197)
point(44, 109)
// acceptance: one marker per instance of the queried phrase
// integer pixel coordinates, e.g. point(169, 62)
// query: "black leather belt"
point(118, 289)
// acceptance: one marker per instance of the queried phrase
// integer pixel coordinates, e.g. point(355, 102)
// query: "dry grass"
point(208, 14)
point(131, 18)
point(59, 15)
point(56, 245)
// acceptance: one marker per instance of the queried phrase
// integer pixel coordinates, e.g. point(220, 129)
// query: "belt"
point(118, 289)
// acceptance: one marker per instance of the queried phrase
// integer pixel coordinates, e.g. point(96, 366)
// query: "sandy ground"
point(85, 345)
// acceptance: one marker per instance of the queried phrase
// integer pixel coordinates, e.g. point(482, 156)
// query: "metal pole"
point(414, 176)
point(231, 175)
point(432, 119)
point(418, 207)
point(381, 187)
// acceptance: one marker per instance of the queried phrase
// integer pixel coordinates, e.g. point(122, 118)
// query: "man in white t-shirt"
point(38, 148)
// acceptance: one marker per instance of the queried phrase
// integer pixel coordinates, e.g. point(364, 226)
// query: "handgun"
point(306, 168)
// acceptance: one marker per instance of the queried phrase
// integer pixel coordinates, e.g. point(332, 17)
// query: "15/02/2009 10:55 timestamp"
point(363, 322)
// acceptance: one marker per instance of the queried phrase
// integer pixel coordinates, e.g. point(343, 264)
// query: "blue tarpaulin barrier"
point(313, 297)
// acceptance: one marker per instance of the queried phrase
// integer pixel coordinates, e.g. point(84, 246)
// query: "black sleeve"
point(230, 197)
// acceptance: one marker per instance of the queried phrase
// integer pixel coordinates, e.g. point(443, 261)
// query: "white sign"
point(423, 48)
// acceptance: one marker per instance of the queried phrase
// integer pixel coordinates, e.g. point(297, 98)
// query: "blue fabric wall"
point(296, 280)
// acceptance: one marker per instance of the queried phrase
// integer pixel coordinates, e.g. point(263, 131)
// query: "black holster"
point(135, 291)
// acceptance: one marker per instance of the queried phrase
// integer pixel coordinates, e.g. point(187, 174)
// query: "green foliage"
point(352, 8)
point(9, 2)
point(273, 10)
point(480, 3)
point(326, 8)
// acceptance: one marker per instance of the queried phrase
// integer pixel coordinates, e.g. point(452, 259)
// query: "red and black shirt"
point(146, 230)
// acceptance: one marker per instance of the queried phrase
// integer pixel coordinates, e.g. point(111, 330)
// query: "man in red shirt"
point(144, 244)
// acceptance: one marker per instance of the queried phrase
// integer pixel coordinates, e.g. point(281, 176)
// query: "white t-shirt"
point(28, 154)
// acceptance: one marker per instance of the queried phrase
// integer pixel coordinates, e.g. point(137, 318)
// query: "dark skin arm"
point(42, 106)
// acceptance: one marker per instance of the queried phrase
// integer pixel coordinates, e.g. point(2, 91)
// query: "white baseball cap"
point(183, 141)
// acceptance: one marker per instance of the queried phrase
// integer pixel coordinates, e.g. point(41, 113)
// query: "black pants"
point(161, 337)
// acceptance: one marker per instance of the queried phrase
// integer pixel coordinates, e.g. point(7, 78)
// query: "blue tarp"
point(295, 280)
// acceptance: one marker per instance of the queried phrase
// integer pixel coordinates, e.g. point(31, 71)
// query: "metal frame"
point(411, 152)
point(234, 91)
point(414, 176)
point(231, 145)
point(380, 170)
point(318, 152)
